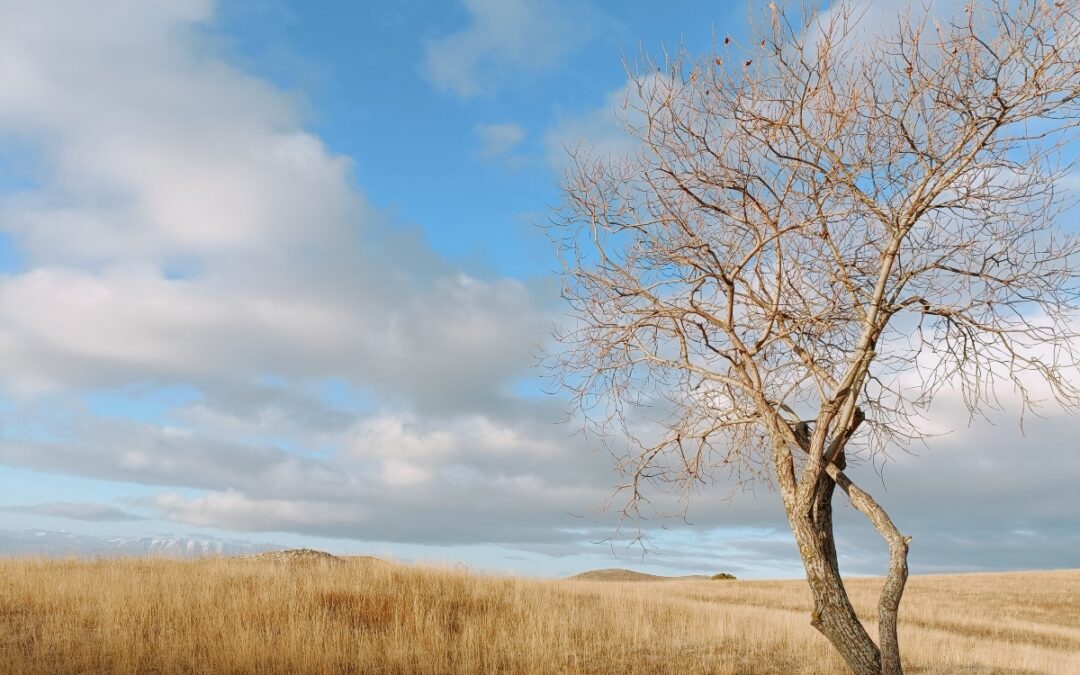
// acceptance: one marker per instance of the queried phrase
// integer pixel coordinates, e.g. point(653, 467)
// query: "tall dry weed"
point(366, 616)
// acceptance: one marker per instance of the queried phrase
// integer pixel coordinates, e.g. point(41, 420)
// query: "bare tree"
point(816, 234)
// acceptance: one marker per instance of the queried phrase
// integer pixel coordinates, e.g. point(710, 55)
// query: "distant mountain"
point(62, 542)
point(630, 575)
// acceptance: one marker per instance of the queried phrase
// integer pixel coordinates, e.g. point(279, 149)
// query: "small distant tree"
point(816, 234)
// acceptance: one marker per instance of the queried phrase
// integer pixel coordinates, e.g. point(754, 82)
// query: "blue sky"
point(272, 271)
point(361, 68)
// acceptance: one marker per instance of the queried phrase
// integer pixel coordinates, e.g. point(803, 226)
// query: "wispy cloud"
point(499, 140)
point(90, 511)
point(505, 38)
point(604, 130)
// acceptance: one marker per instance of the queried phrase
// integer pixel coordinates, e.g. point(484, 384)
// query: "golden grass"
point(366, 616)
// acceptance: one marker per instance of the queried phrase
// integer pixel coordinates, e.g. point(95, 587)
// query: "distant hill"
point(294, 555)
point(307, 555)
point(630, 575)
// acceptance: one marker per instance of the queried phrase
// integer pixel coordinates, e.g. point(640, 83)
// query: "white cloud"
point(158, 155)
point(394, 476)
point(499, 140)
point(412, 451)
point(162, 156)
point(505, 38)
point(232, 510)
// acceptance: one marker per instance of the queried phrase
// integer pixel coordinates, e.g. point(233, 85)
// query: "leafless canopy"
point(818, 232)
point(841, 221)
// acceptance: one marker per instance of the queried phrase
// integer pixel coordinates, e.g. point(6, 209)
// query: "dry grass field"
point(368, 616)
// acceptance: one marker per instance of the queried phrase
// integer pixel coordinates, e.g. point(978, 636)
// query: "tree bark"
point(893, 590)
point(833, 615)
point(822, 513)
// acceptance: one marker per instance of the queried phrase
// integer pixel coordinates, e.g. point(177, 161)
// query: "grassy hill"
point(309, 615)
point(630, 575)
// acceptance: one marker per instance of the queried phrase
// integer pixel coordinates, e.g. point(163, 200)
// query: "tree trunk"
point(822, 513)
point(833, 615)
point(893, 590)
point(889, 605)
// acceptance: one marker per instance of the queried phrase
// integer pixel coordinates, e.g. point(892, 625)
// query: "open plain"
point(363, 615)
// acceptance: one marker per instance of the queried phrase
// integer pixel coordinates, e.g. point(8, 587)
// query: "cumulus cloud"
point(185, 230)
point(505, 38)
point(186, 226)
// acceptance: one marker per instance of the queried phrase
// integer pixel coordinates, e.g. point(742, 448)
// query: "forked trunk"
point(833, 614)
point(893, 590)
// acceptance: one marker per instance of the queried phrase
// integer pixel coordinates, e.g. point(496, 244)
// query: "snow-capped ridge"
point(61, 542)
